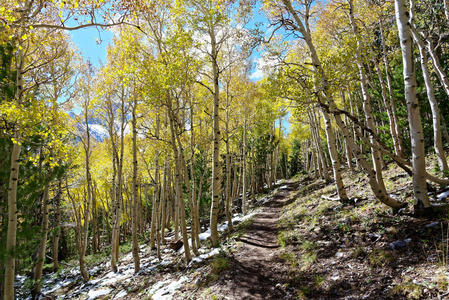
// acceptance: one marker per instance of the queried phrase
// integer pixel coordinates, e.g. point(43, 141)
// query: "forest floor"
point(297, 243)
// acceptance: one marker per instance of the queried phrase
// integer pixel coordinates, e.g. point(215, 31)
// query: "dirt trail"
point(256, 271)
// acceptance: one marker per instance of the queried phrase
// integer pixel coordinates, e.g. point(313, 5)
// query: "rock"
point(176, 245)
point(400, 211)
point(431, 225)
point(373, 237)
point(432, 258)
point(399, 244)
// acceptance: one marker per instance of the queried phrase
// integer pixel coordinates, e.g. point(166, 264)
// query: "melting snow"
point(443, 195)
point(205, 235)
point(98, 293)
point(121, 294)
point(162, 291)
point(202, 257)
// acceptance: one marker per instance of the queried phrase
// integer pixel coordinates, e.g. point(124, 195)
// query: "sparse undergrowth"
point(346, 249)
point(330, 249)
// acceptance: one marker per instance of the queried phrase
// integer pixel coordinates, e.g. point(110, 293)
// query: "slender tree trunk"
point(253, 173)
point(437, 137)
point(135, 189)
point(334, 157)
point(394, 121)
point(324, 83)
point(118, 190)
point(192, 194)
point(228, 169)
point(11, 233)
point(85, 233)
point(179, 196)
point(416, 133)
point(163, 201)
point(244, 168)
point(216, 145)
point(154, 204)
point(319, 146)
point(57, 226)
point(42, 247)
point(94, 221)
point(346, 146)
point(376, 157)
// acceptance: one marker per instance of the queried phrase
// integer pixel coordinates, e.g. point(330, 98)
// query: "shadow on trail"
point(254, 268)
point(251, 242)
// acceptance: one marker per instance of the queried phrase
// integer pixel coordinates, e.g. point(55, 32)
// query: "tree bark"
point(394, 120)
point(422, 202)
point(244, 184)
point(437, 136)
point(376, 157)
point(324, 83)
point(42, 247)
point(334, 157)
point(11, 233)
point(216, 143)
point(135, 187)
point(57, 227)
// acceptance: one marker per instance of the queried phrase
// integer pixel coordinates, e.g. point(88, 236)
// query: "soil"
point(304, 244)
point(301, 246)
point(255, 268)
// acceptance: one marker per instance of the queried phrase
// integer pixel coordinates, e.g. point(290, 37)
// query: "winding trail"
point(255, 269)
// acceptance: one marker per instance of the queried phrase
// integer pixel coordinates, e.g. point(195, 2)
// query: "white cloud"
point(264, 65)
point(257, 75)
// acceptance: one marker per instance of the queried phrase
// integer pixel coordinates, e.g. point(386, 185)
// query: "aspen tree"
point(180, 207)
point(376, 157)
point(303, 28)
point(43, 245)
point(135, 187)
point(23, 19)
point(437, 136)
point(422, 202)
point(56, 225)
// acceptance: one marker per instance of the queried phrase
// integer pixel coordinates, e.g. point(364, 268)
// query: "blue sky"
point(86, 40)
point(93, 42)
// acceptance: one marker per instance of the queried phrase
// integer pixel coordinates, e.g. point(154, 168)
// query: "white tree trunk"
point(437, 137)
point(376, 156)
point(11, 234)
point(372, 180)
point(216, 145)
point(416, 133)
point(135, 189)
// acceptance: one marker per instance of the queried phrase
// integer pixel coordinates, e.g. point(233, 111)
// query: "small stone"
point(176, 245)
point(432, 258)
point(431, 225)
point(374, 237)
point(399, 244)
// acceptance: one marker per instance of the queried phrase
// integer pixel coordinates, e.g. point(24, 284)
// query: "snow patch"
point(121, 294)
point(164, 290)
point(98, 293)
point(202, 257)
point(443, 195)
